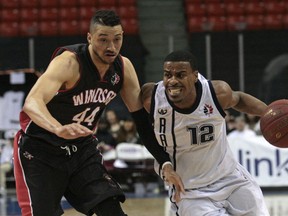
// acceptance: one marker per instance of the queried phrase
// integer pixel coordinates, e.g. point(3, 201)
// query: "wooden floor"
point(277, 203)
point(137, 207)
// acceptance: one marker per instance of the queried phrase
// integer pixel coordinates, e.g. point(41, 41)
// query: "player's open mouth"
point(111, 55)
point(174, 91)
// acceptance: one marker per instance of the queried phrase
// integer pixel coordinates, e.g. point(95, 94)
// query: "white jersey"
point(195, 138)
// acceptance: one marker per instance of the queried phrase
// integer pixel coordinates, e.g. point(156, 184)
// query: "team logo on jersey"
point(115, 79)
point(28, 155)
point(162, 111)
point(208, 109)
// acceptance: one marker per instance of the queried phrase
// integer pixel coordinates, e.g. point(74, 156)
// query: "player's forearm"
point(249, 104)
point(147, 136)
point(39, 114)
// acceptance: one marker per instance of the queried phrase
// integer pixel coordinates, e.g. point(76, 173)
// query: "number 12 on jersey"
point(202, 134)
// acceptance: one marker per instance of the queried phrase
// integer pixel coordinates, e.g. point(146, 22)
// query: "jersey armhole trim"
point(152, 108)
point(123, 66)
point(218, 106)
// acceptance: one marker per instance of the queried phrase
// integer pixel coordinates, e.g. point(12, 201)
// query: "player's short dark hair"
point(182, 55)
point(105, 17)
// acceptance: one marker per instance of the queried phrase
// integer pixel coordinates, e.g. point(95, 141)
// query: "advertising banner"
point(267, 164)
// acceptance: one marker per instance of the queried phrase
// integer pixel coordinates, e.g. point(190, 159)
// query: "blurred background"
point(243, 42)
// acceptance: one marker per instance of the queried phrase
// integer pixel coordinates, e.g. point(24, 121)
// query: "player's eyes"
point(103, 39)
point(181, 75)
point(167, 75)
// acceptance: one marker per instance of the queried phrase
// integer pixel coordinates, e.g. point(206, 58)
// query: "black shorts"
point(44, 174)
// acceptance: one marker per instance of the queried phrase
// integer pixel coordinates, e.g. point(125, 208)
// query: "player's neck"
point(185, 103)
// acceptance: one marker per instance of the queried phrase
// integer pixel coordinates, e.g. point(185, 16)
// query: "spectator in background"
point(131, 134)
point(6, 154)
point(105, 138)
point(253, 123)
point(230, 121)
point(115, 126)
point(241, 128)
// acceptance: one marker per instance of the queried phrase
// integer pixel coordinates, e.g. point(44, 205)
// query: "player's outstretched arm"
point(238, 100)
point(248, 104)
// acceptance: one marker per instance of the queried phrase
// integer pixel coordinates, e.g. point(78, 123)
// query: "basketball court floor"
point(148, 204)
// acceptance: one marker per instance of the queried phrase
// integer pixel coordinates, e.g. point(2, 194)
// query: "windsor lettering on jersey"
point(98, 95)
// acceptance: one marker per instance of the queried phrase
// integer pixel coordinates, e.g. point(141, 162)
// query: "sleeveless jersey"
point(85, 102)
point(195, 138)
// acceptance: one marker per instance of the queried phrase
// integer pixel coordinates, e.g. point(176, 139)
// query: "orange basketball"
point(274, 123)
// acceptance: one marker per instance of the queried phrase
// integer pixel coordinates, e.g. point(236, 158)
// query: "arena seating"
point(234, 15)
point(86, 3)
point(10, 14)
point(68, 3)
point(235, 22)
point(48, 3)
point(28, 4)
point(9, 3)
point(234, 8)
point(285, 21)
point(215, 9)
point(29, 14)
point(48, 28)
point(202, 15)
point(28, 28)
point(9, 29)
point(60, 17)
point(254, 22)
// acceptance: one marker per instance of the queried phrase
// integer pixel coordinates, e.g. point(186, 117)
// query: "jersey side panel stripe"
point(23, 196)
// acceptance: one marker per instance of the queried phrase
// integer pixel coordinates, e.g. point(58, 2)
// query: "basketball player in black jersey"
point(55, 151)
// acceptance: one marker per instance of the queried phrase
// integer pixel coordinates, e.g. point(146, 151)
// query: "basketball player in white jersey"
point(187, 111)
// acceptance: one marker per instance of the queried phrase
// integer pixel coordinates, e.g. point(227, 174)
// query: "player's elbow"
point(29, 105)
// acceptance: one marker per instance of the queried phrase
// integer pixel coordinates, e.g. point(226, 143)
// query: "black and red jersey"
point(85, 102)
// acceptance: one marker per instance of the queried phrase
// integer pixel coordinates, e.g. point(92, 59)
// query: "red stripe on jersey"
point(123, 66)
point(22, 190)
point(24, 121)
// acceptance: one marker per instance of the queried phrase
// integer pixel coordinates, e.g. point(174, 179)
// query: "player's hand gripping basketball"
point(72, 131)
point(172, 178)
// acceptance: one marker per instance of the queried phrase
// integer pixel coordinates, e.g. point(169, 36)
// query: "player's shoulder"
point(66, 56)
point(220, 86)
point(125, 59)
point(223, 92)
point(127, 64)
point(70, 60)
point(146, 94)
point(147, 88)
